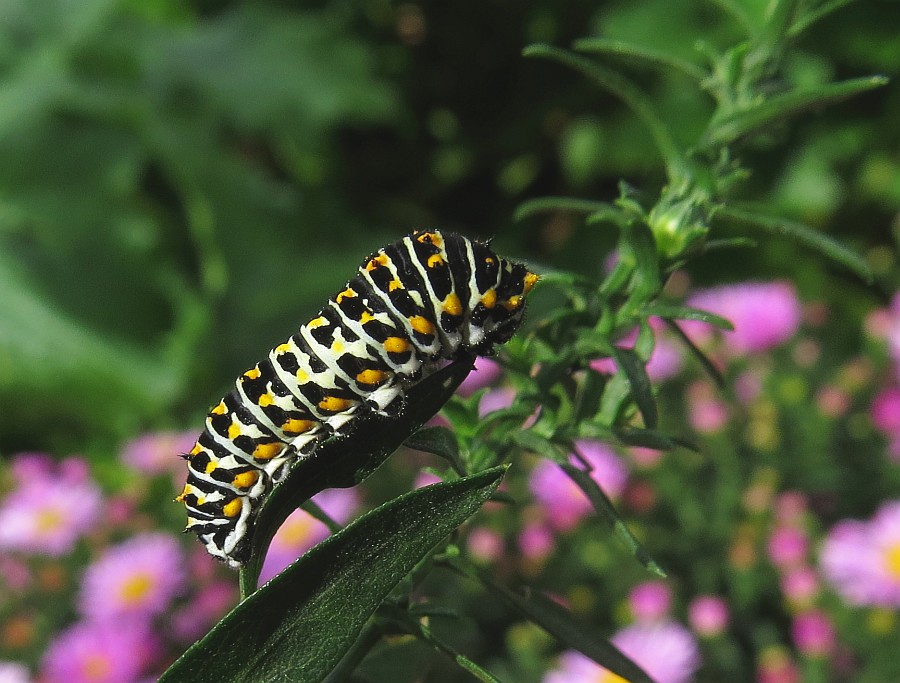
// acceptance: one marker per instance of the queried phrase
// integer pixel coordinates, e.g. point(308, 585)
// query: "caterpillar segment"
point(410, 306)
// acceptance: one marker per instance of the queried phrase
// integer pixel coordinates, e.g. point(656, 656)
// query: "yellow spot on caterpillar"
point(435, 260)
point(346, 294)
point(233, 509)
point(234, 431)
point(283, 348)
point(490, 298)
point(317, 322)
point(266, 451)
point(377, 262)
point(180, 497)
point(429, 238)
point(219, 409)
point(337, 346)
point(266, 400)
point(297, 426)
point(489, 260)
point(512, 303)
point(334, 404)
point(211, 467)
point(196, 449)
point(394, 284)
point(421, 324)
point(529, 282)
point(453, 305)
point(396, 345)
point(245, 480)
point(302, 376)
point(252, 373)
point(371, 376)
point(366, 317)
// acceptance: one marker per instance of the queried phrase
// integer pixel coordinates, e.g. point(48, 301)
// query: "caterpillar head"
point(514, 284)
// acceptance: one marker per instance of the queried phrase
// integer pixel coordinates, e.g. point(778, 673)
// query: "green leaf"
point(610, 515)
point(439, 441)
point(646, 438)
point(662, 310)
point(800, 233)
point(590, 390)
point(639, 55)
point(811, 15)
point(544, 204)
point(346, 461)
point(707, 364)
point(641, 388)
point(626, 91)
point(559, 623)
point(299, 625)
point(780, 107)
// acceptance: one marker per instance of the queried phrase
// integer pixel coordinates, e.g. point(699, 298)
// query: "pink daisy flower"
point(862, 559)
point(49, 511)
point(650, 601)
point(486, 373)
point(137, 578)
point(99, 653)
point(665, 360)
point(14, 672)
point(708, 615)
point(158, 453)
point(813, 633)
point(666, 651)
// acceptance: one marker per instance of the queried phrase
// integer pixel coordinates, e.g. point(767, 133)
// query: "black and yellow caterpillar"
point(412, 304)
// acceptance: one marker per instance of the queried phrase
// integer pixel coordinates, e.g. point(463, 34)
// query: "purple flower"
point(708, 615)
point(564, 502)
point(800, 585)
point(135, 579)
point(496, 399)
point(788, 546)
point(485, 373)
point(886, 411)
point(49, 511)
point(484, 544)
point(99, 653)
point(707, 413)
point(301, 531)
point(650, 601)
point(813, 634)
point(764, 314)
point(14, 672)
point(157, 453)
point(535, 541)
point(862, 559)
point(665, 360)
point(666, 651)
point(205, 609)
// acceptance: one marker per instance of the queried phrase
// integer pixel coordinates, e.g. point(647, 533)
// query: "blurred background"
point(183, 183)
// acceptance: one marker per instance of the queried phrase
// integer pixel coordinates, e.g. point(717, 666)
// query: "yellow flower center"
point(96, 668)
point(49, 519)
point(135, 589)
point(892, 560)
point(607, 676)
point(295, 530)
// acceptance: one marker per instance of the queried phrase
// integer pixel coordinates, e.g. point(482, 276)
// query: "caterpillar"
point(413, 304)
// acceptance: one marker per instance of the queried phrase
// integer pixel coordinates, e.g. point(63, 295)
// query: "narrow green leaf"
point(646, 438)
point(707, 364)
point(587, 402)
point(738, 12)
point(641, 388)
point(811, 15)
point(616, 392)
point(639, 55)
point(368, 638)
point(344, 462)
point(639, 240)
point(626, 91)
point(299, 625)
point(733, 243)
point(439, 441)
point(610, 515)
point(543, 204)
point(800, 233)
point(662, 310)
point(783, 106)
point(559, 623)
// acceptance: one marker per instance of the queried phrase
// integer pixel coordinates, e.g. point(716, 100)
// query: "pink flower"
point(211, 603)
point(764, 314)
point(425, 478)
point(14, 672)
point(776, 666)
point(158, 453)
point(708, 414)
point(788, 546)
point(496, 399)
point(110, 652)
point(136, 579)
point(49, 511)
point(813, 634)
point(536, 541)
point(486, 373)
point(301, 531)
point(666, 651)
point(563, 500)
point(665, 360)
point(886, 411)
point(650, 601)
point(862, 559)
point(800, 585)
point(708, 615)
point(484, 544)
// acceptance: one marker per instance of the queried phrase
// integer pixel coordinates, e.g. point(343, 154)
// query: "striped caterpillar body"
point(412, 304)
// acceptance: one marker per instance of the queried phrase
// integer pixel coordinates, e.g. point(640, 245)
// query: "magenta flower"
point(157, 453)
point(886, 411)
point(650, 601)
point(14, 672)
point(496, 399)
point(136, 579)
point(564, 502)
point(49, 511)
point(764, 314)
point(666, 651)
point(800, 585)
point(862, 559)
point(425, 478)
point(788, 546)
point(813, 634)
point(536, 541)
point(707, 413)
point(205, 609)
point(665, 360)
point(99, 653)
point(485, 544)
point(301, 531)
point(708, 615)
point(486, 373)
